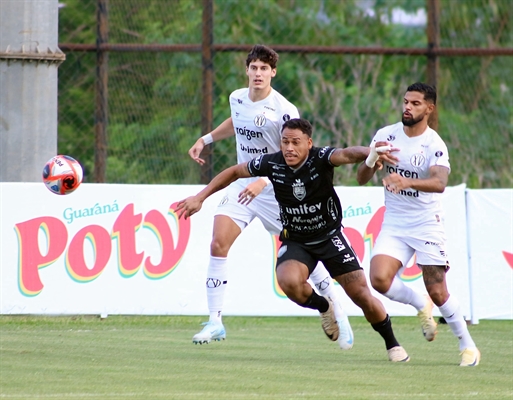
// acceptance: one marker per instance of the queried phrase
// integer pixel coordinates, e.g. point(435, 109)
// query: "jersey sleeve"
point(379, 136)
point(325, 153)
point(259, 166)
point(440, 155)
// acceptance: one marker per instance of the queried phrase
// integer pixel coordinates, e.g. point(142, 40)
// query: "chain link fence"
point(155, 97)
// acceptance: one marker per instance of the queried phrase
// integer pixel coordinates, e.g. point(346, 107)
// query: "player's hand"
point(251, 191)
point(187, 207)
point(384, 151)
point(195, 151)
point(395, 183)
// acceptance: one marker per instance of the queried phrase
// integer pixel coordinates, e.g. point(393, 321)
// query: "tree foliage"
point(155, 98)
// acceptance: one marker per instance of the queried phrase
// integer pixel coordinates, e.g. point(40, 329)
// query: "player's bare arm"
point(379, 153)
point(223, 131)
point(191, 205)
point(436, 183)
point(349, 155)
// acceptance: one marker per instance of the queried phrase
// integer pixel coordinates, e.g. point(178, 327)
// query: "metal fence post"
point(102, 79)
point(433, 64)
point(207, 172)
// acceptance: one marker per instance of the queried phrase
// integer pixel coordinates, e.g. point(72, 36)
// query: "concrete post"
point(29, 58)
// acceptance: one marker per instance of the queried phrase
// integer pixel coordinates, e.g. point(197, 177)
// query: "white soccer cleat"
point(329, 322)
point(398, 354)
point(427, 322)
point(211, 331)
point(345, 337)
point(470, 357)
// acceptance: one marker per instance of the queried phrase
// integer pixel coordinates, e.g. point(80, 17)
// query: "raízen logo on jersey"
point(299, 190)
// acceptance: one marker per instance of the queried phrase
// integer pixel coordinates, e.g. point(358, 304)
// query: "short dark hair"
point(264, 54)
point(428, 91)
point(299, 123)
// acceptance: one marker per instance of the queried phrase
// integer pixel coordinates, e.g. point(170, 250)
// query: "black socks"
point(316, 302)
point(384, 328)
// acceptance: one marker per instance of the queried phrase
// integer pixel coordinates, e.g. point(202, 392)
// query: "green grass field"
point(125, 357)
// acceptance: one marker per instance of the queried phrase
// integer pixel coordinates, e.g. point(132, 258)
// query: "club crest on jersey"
point(286, 117)
point(323, 151)
point(299, 190)
point(417, 160)
point(390, 138)
point(256, 162)
point(260, 120)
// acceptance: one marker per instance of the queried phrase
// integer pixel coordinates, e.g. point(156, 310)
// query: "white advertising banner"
point(120, 249)
point(490, 220)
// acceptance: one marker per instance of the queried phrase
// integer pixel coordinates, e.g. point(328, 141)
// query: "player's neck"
point(259, 94)
point(415, 130)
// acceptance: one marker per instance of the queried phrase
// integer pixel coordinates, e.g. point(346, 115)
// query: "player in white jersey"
point(257, 115)
point(413, 221)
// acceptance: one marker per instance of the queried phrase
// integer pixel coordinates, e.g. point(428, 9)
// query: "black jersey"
point(310, 209)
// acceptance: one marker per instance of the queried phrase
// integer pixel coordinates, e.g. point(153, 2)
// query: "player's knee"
point(219, 248)
point(438, 294)
point(380, 283)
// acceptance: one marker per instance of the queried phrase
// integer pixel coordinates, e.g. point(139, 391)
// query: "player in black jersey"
point(311, 215)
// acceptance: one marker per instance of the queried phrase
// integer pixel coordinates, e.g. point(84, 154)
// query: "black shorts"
point(336, 254)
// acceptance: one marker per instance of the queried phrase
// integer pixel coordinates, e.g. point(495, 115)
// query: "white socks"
point(216, 286)
point(324, 284)
point(450, 310)
point(398, 291)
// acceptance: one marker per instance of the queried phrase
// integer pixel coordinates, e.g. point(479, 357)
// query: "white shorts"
point(264, 206)
point(428, 246)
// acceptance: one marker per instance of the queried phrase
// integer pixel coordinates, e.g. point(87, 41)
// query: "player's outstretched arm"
point(379, 152)
point(191, 205)
point(349, 155)
point(224, 130)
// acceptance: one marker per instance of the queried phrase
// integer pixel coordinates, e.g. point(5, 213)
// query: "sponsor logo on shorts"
point(338, 243)
point(223, 201)
point(348, 258)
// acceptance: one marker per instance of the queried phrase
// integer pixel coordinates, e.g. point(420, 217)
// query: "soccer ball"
point(62, 174)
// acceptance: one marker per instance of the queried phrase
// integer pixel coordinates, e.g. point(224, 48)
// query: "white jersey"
point(258, 124)
point(257, 128)
point(411, 208)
